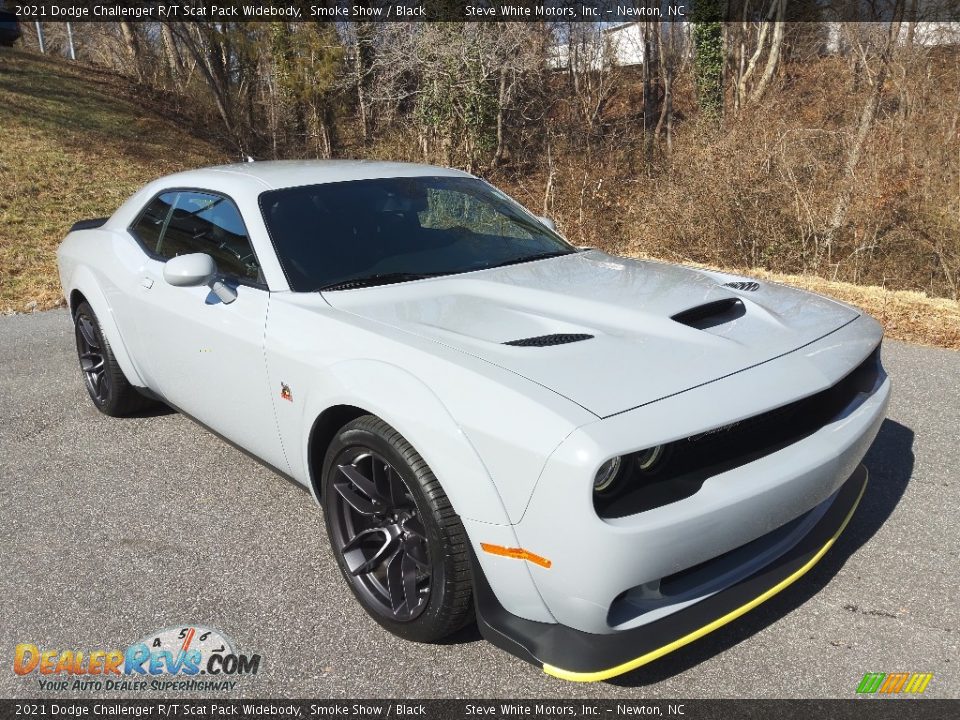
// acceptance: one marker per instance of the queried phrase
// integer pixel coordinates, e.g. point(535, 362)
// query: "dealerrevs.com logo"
point(187, 658)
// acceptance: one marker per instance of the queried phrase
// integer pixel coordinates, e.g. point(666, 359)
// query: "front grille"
point(687, 463)
point(548, 340)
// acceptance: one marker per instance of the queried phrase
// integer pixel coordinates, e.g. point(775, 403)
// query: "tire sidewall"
point(422, 628)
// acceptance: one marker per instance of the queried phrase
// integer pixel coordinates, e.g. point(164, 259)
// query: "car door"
point(203, 355)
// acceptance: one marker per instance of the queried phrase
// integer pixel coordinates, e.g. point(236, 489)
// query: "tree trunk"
point(197, 46)
point(502, 94)
point(742, 83)
point(665, 121)
point(174, 61)
point(648, 109)
point(132, 45)
point(778, 8)
point(867, 117)
point(361, 69)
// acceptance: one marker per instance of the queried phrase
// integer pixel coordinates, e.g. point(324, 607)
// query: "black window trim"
point(160, 258)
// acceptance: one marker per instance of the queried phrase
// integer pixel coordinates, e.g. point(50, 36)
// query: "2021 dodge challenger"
point(601, 459)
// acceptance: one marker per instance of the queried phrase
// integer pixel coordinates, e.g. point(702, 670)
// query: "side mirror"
point(548, 222)
point(189, 270)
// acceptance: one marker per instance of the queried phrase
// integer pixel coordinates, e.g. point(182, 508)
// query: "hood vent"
point(548, 340)
point(711, 314)
point(743, 285)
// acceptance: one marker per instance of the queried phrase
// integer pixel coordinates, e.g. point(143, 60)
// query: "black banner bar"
point(874, 708)
point(596, 11)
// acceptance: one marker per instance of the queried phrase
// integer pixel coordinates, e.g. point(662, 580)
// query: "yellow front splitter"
point(578, 656)
point(719, 622)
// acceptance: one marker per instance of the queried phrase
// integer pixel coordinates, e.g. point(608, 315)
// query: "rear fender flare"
point(84, 282)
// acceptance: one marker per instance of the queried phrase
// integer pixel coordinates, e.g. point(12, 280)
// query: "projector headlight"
point(647, 460)
point(606, 475)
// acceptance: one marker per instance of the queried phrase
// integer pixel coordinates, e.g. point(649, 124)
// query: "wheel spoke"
point(355, 500)
point(89, 362)
point(364, 484)
point(398, 495)
point(414, 526)
point(89, 336)
point(416, 549)
point(353, 555)
point(409, 568)
point(395, 581)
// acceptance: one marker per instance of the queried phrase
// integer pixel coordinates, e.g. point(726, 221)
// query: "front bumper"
point(605, 571)
point(580, 656)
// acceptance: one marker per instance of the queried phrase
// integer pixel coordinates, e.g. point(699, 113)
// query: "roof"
point(273, 174)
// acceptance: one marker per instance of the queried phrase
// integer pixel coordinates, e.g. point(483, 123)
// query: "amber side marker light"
point(516, 554)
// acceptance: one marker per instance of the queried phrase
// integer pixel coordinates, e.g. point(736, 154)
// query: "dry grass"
point(74, 147)
point(905, 314)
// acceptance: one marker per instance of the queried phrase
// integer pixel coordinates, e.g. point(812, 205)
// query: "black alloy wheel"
point(398, 542)
point(92, 362)
point(378, 532)
point(106, 384)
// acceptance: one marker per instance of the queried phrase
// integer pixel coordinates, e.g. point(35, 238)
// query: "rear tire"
point(398, 542)
point(105, 382)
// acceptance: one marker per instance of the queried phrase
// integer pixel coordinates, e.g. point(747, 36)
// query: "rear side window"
point(185, 221)
point(149, 226)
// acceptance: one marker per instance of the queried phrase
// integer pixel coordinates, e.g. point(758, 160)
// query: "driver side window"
point(183, 222)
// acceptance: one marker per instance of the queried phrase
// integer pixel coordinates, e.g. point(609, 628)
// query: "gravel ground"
point(112, 529)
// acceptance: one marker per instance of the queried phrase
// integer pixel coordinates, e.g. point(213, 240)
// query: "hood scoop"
point(711, 314)
point(549, 340)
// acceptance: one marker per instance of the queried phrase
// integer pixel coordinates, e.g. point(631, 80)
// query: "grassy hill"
point(76, 143)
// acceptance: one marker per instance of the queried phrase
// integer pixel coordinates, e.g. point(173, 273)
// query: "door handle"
point(146, 283)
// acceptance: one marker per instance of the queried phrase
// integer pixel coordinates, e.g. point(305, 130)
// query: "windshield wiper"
point(531, 258)
point(378, 279)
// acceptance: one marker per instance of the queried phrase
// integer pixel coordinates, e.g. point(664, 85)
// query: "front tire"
point(105, 382)
point(400, 546)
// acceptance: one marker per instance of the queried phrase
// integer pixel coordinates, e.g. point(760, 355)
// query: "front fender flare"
point(399, 398)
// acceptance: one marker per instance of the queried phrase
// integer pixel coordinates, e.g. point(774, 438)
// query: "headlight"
point(605, 476)
point(647, 459)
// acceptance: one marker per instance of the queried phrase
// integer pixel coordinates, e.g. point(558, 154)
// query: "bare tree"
point(172, 52)
point(868, 116)
point(460, 81)
point(593, 73)
point(753, 41)
point(132, 44)
point(672, 49)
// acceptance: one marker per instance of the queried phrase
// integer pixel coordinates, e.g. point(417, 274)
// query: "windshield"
point(366, 232)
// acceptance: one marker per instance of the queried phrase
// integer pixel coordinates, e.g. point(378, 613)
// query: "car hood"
point(650, 334)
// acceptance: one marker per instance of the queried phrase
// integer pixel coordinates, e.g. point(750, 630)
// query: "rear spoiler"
point(89, 224)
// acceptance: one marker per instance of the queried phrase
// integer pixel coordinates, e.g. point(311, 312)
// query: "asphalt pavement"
point(111, 529)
